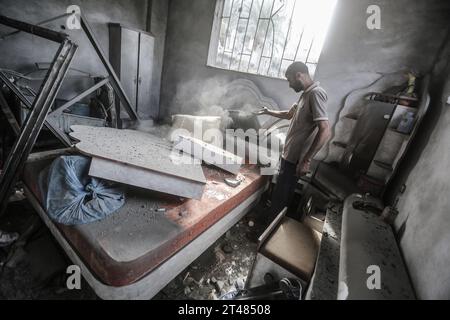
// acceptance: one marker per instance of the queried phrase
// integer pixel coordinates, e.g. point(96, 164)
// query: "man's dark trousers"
point(284, 190)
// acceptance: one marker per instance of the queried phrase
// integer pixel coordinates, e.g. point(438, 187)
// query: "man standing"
point(308, 132)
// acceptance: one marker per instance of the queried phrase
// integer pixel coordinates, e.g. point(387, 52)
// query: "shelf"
point(393, 99)
point(394, 144)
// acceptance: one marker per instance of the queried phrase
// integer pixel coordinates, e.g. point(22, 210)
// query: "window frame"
point(214, 47)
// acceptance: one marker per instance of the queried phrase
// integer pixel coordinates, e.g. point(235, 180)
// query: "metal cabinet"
point(131, 53)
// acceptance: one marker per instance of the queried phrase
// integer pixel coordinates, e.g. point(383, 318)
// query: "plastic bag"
point(71, 197)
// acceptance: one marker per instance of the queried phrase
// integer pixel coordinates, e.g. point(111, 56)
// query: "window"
point(265, 36)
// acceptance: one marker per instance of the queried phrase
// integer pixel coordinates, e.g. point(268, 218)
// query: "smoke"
point(145, 126)
point(250, 109)
point(206, 97)
point(216, 111)
point(210, 97)
point(197, 96)
point(149, 126)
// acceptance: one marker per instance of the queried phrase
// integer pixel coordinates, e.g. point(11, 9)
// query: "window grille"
point(265, 36)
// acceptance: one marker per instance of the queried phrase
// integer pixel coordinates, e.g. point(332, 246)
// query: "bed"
point(138, 250)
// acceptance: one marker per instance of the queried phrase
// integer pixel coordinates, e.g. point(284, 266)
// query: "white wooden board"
point(134, 148)
point(147, 179)
point(209, 153)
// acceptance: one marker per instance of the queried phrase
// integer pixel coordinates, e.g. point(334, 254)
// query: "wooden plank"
point(147, 179)
point(137, 149)
point(209, 153)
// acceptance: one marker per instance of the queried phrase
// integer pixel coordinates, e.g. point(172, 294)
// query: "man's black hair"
point(297, 67)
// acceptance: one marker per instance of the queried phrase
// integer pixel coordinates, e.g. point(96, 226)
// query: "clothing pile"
point(72, 197)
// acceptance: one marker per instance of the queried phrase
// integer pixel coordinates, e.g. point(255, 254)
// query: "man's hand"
point(303, 168)
point(278, 114)
point(264, 110)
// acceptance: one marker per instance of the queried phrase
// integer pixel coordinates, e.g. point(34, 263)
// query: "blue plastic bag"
point(71, 197)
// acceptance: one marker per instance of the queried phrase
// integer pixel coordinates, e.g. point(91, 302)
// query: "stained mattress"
point(133, 241)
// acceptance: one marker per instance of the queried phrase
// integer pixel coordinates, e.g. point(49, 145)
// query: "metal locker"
point(131, 53)
point(146, 54)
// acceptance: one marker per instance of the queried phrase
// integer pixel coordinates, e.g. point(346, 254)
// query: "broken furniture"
point(263, 147)
point(9, 82)
point(115, 82)
point(62, 119)
point(131, 54)
point(369, 163)
point(355, 242)
point(370, 126)
point(139, 159)
point(136, 251)
point(398, 136)
point(377, 144)
point(287, 249)
point(370, 254)
point(324, 282)
point(41, 105)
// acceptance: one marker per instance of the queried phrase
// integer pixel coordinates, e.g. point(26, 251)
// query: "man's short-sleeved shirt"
point(310, 109)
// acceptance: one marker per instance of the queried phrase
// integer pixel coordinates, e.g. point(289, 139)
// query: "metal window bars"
point(33, 125)
point(263, 58)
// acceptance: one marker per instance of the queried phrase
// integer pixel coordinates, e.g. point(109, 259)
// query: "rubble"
point(219, 276)
point(227, 248)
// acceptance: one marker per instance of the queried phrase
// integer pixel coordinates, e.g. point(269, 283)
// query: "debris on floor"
point(222, 269)
point(235, 182)
point(34, 268)
point(37, 269)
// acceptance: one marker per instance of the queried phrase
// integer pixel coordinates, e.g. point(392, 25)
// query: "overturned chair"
point(287, 249)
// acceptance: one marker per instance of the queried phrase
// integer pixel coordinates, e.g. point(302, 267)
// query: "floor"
point(36, 268)
point(221, 269)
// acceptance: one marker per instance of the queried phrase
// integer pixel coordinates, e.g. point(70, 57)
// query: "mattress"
point(151, 227)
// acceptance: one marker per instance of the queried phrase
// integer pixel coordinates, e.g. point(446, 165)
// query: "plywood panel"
point(134, 176)
point(137, 149)
point(209, 153)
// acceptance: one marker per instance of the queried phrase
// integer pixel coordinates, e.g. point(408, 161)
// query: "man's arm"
point(320, 140)
point(288, 115)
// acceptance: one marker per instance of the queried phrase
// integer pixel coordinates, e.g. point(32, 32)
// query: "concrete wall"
point(187, 44)
point(423, 223)
point(356, 60)
point(21, 51)
point(354, 57)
